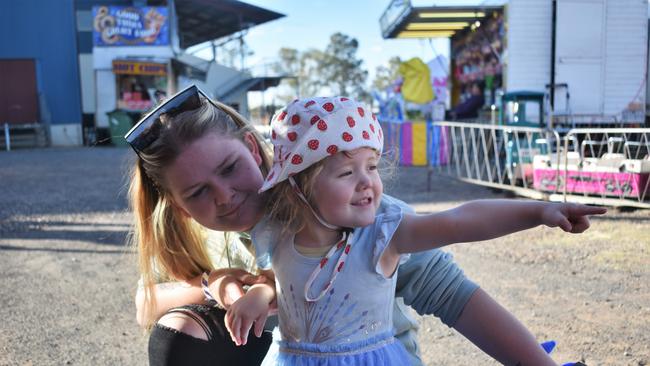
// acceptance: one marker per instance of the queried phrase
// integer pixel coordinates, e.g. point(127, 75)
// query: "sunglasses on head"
point(147, 130)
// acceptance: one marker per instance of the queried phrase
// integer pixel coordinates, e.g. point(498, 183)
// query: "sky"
point(309, 24)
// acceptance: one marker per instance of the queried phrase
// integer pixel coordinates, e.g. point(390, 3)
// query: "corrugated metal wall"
point(44, 30)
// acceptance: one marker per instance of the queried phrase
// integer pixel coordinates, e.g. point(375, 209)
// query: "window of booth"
point(139, 84)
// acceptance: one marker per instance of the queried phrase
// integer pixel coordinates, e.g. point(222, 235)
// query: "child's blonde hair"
point(285, 206)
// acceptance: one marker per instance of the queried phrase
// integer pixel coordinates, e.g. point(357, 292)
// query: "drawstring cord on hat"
point(304, 199)
point(343, 243)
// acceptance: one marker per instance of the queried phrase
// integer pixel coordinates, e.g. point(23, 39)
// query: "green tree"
point(341, 70)
point(301, 70)
point(336, 70)
point(386, 74)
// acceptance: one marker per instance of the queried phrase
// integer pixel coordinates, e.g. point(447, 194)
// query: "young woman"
point(198, 170)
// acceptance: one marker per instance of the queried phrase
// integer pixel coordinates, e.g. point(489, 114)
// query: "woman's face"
point(215, 180)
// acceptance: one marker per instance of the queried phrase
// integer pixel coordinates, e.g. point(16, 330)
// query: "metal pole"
point(553, 40)
point(7, 140)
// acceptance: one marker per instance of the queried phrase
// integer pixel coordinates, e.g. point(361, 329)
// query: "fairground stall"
point(551, 95)
point(139, 57)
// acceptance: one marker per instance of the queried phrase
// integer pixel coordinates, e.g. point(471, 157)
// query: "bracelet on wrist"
point(211, 300)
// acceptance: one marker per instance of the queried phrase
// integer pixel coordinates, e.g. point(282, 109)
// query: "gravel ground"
point(68, 279)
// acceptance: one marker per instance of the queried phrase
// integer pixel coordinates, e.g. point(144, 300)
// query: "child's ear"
point(253, 147)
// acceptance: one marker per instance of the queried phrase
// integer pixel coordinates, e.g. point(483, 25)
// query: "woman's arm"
point(433, 284)
point(498, 333)
point(167, 296)
point(225, 284)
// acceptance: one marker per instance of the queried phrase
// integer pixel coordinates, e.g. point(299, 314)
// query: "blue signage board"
point(130, 26)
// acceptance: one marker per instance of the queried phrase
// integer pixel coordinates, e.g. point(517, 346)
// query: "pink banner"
point(603, 183)
point(406, 142)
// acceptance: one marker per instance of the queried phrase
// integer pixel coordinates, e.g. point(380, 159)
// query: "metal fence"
point(606, 166)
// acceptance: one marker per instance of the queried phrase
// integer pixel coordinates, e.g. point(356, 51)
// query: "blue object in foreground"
point(549, 346)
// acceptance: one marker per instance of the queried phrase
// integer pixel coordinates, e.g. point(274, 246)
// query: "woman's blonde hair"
point(170, 245)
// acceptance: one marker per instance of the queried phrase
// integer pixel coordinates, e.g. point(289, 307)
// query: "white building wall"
point(603, 80)
point(106, 96)
point(103, 56)
point(87, 75)
point(528, 42)
point(580, 55)
point(625, 54)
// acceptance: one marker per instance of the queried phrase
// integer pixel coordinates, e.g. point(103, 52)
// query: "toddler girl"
point(335, 241)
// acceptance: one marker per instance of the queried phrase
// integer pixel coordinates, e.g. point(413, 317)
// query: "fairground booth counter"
point(139, 57)
point(545, 98)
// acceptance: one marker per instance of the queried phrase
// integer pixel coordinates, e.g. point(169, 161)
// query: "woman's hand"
point(227, 284)
point(570, 217)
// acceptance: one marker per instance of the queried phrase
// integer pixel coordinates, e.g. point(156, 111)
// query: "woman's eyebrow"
point(226, 160)
point(190, 188)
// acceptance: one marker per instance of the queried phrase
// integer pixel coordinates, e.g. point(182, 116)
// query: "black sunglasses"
point(147, 130)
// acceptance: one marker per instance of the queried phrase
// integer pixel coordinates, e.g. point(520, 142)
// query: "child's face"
point(347, 192)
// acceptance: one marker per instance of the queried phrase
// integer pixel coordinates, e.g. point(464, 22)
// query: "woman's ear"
point(180, 209)
point(251, 143)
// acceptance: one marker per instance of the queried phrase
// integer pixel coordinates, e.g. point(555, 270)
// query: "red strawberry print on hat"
point(273, 134)
point(365, 135)
point(372, 128)
point(361, 112)
point(292, 136)
point(374, 118)
point(296, 159)
point(344, 99)
point(295, 119)
point(351, 122)
point(346, 137)
point(282, 115)
point(270, 176)
point(322, 125)
point(311, 102)
point(314, 119)
point(313, 144)
point(328, 106)
point(332, 149)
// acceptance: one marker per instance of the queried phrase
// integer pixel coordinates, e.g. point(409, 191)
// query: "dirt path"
point(68, 281)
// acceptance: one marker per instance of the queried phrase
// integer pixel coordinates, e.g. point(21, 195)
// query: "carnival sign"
point(130, 26)
point(139, 68)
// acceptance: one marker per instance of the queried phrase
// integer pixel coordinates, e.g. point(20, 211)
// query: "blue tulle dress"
point(352, 323)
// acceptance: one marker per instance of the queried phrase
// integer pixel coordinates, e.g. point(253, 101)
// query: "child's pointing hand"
point(570, 217)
